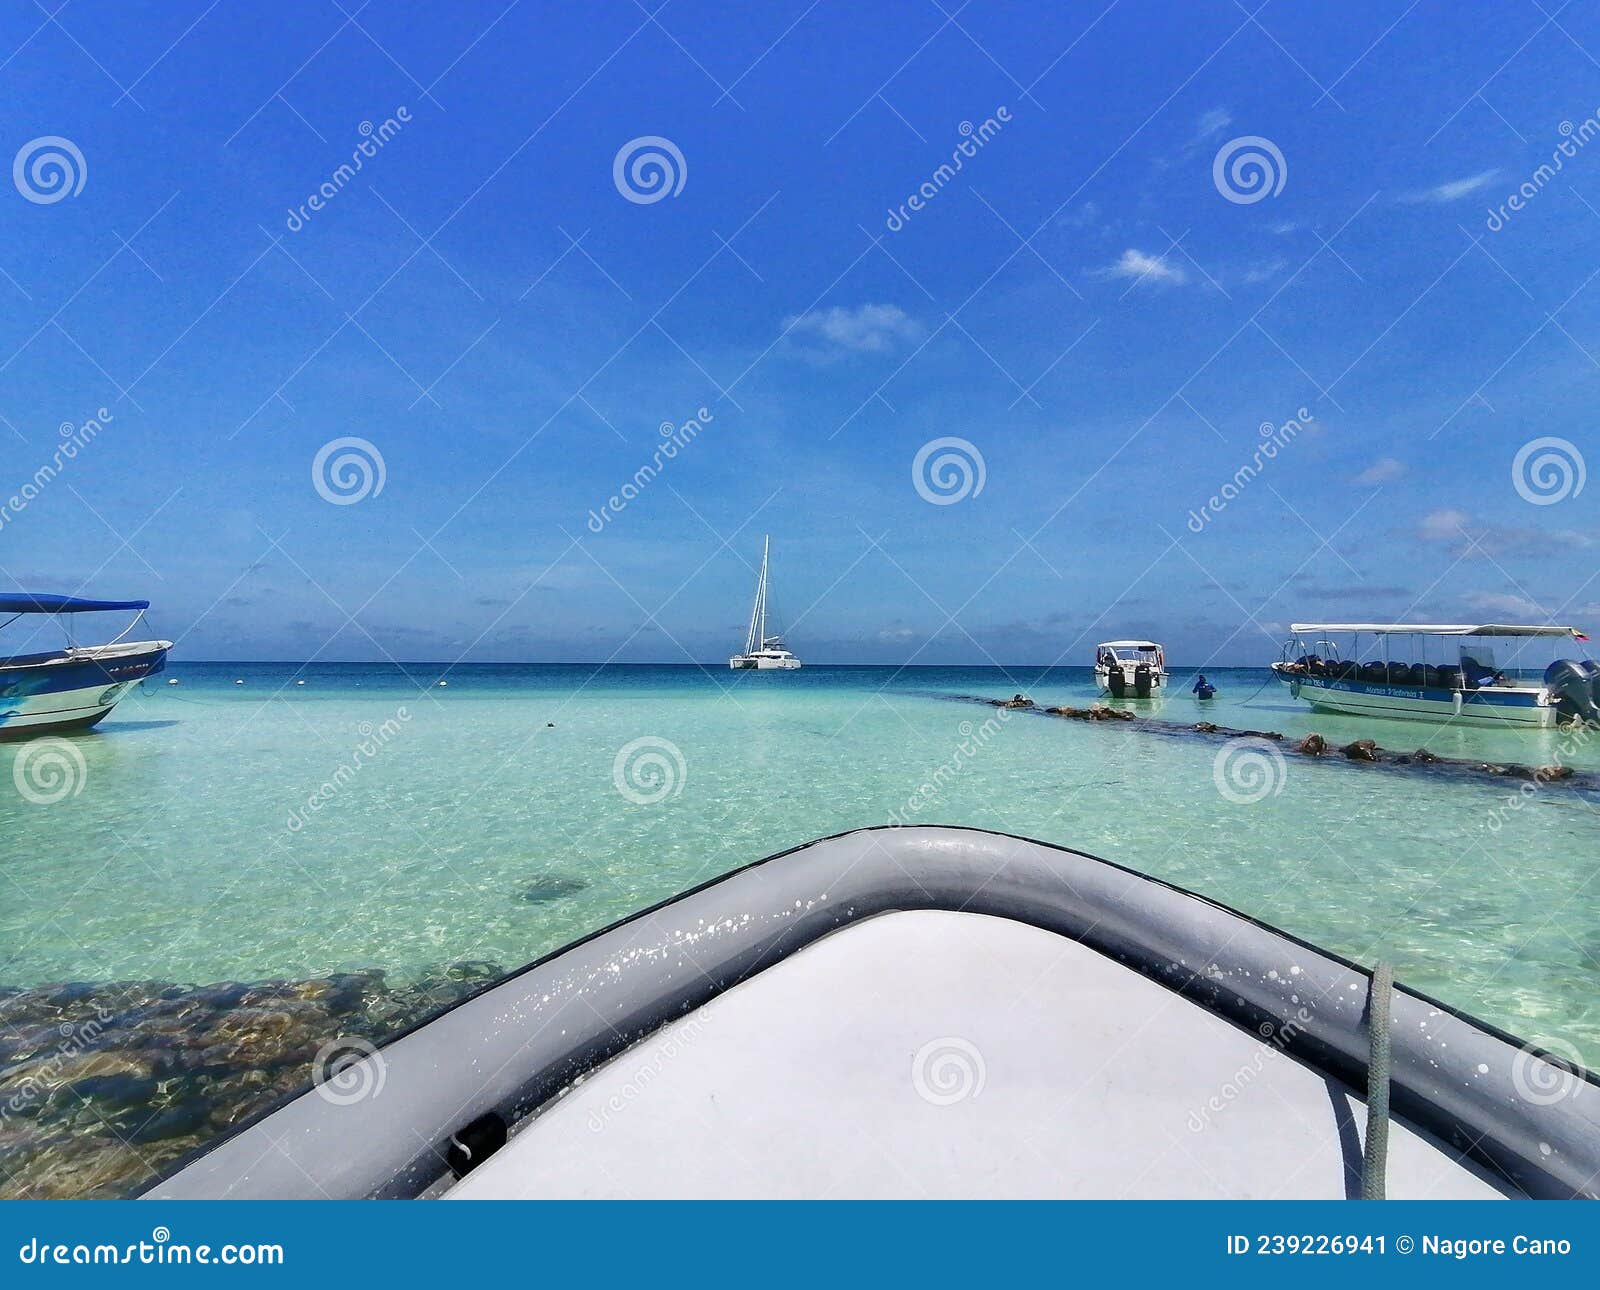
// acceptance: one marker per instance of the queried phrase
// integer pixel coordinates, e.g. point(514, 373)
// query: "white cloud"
point(1145, 268)
point(865, 329)
point(1455, 190)
point(1383, 471)
point(1496, 602)
point(1443, 525)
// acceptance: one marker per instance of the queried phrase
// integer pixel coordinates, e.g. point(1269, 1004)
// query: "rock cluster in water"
point(1311, 745)
point(104, 1084)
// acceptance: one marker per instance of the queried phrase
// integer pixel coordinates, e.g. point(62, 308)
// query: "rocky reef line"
point(1358, 752)
point(103, 1084)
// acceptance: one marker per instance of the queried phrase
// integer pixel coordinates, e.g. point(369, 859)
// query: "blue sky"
point(1082, 303)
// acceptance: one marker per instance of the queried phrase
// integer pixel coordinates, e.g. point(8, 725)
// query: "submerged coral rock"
point(103, 1084)
point(1313, 745)
point(551, 886)
point(474, 970)
point(1206, 727)
point(1539, 774)
point(1361, 750)
point(1017, 701)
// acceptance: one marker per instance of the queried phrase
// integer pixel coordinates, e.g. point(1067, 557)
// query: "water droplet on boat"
point(1544, 1148)
point(1483, 1069)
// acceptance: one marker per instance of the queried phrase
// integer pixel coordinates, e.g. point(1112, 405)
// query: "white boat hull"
point(75, 689)
point(1492, 706)
point(743, 663)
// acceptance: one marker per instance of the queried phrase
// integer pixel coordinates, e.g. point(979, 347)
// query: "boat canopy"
point(25, 603)
point(1127, 645)
point(1434, 629)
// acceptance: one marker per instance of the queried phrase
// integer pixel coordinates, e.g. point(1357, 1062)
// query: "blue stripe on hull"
point(77, 674)
point(1412, 702)
point(72, 694)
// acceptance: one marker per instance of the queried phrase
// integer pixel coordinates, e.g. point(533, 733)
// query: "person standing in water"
point(1203, 688)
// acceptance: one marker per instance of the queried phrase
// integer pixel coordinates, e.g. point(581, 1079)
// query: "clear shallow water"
point(476, 832)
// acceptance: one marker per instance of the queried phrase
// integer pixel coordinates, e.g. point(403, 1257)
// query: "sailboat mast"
point(758, 611)
point(761, 635)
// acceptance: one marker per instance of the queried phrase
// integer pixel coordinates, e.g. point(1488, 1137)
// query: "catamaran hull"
point(74, 693)
point(1491, 707)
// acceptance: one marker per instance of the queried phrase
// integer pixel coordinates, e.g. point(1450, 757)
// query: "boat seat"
point(941, 1054)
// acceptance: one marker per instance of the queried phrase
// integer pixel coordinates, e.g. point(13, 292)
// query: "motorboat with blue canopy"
point(75, 686)
point(926, 1012)
point(1446, 672)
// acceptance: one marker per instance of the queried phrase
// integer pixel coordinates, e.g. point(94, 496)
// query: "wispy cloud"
point(1443, 525)
point(1455, 190)
point(864, 329)
point(1497, 602)
point(1383, 471)
point(1212, 123)
point(1080, 216)
point(1264, 272)
point(1145, 268)
point(1363, 592)
point(1469, 535)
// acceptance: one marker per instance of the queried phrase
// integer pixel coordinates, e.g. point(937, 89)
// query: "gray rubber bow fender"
point(509, 1049)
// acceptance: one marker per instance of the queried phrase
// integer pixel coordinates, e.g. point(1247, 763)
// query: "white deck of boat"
point(800, 1083)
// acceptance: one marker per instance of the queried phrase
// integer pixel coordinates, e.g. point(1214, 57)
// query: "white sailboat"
point(763, 652)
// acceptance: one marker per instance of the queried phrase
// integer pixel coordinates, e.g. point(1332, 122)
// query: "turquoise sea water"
point(469, 828)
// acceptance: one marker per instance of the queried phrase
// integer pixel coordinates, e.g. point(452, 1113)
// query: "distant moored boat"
point(763, 652)
point(1389, 670)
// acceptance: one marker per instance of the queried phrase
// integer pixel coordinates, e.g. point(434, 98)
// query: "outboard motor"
point(1141, 681)
point(1116, 680)
point(1573, 687)
point(1592, 669)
